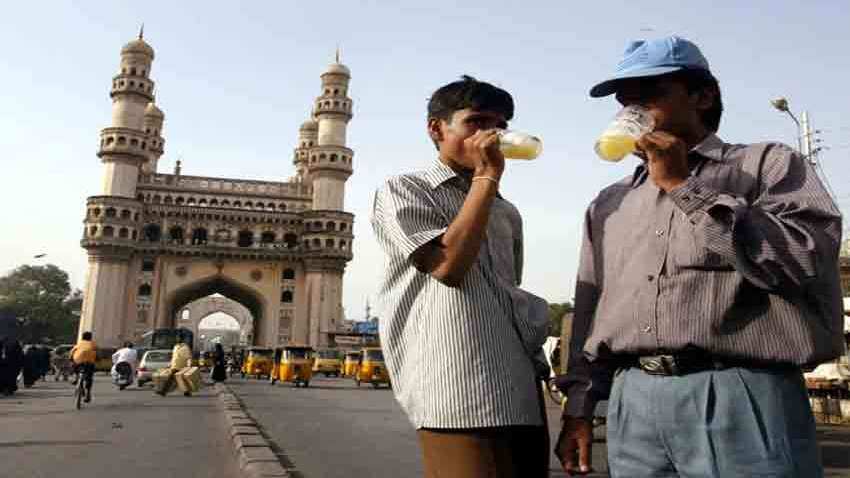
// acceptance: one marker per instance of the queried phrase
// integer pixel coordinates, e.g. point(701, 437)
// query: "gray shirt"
point(457, 357)
point(741, 262)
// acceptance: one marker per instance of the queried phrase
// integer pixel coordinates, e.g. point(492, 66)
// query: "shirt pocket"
point(685, 251)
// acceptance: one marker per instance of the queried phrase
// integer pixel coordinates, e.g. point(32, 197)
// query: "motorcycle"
point(123, 375)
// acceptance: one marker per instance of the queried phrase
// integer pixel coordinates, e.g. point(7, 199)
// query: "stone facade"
point(157, 242)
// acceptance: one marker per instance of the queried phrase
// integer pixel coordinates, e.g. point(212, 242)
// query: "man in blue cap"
point(708, 279)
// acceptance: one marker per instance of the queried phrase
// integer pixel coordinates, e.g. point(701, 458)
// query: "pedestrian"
point(219, 370)
point(30, 369)
point(457, 332)
point(181, 357)
point(43, 360)
point(11, 363)
point(707, 278)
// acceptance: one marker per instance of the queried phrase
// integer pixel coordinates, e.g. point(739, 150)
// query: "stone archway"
point(202, 308)
point(242, 300)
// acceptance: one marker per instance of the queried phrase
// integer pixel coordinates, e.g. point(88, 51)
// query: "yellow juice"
point(520, 151)
point(614, 147)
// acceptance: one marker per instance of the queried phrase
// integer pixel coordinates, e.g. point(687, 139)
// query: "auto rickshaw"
point(258, 362)
point(371, 368)
point(327, 362)
point(349, 365)
point(296, 365)
point(103, 360)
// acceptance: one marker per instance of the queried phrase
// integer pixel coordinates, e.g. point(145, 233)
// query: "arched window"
point(286, 297)
point(135, 234)
point(329, 243)
point(145, 290)
point(168, 200)
point(237, 203)
point(330, 226)
point(317, 225)
point(267, 237)
point(199, 236)
point(289, 274)
point(134, 142)
point(246, 239)
point(157, 199)
point(96, 212)
point(152, 233)
point(291, 240)
point(123, 233)
point(317, 242)
point(111, 212)
point(93, 231)
point(179, 201)
point(225, 203)
point(148, 265)
point(261, 205)
point(108, 231)
point(214, 202)
point(175, 235)
point(190, 201)
point(249, 204)
point(343, 226)
point(333, 158)
point(342, 244)
point(133, 71)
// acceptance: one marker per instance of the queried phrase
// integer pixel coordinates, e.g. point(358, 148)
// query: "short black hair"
point(86, 335)
point(469, 93)
point(128, 344)
point(697, 79)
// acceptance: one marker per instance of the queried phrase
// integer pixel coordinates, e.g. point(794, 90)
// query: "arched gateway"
point(157, 242)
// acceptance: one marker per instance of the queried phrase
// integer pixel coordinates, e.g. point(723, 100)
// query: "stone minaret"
point(112, 218)
point(328, 228)
point(155, 146)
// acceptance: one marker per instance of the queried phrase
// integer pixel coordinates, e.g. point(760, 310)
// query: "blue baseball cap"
point(645, 58)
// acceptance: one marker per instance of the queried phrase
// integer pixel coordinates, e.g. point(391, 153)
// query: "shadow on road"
point(20, 444)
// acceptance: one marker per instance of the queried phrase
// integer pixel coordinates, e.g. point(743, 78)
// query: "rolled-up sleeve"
point(404, 214)
point(782, 239)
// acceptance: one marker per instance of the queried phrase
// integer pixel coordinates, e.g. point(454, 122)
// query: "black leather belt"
point(686, 363)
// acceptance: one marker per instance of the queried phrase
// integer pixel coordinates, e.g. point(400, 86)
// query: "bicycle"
point(80, 388)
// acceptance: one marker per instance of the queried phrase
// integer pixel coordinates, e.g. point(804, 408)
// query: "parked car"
point(152, 361)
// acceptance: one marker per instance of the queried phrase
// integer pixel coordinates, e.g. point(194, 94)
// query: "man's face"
point(675, 110)
point(450, 135)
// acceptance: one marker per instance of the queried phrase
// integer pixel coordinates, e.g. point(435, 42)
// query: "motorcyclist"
point(126, 354)
point(84, 355)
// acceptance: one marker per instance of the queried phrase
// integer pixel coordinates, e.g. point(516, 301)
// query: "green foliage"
point(41, 299)
point(556, 312)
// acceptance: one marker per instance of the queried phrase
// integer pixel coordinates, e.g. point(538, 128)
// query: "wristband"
point(486, 178)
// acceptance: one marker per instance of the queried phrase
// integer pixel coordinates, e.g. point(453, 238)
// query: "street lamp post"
point(781, 104)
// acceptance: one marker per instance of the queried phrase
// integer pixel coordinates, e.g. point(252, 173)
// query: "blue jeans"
point(736, 422)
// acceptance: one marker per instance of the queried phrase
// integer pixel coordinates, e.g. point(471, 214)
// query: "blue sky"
point(235, 79)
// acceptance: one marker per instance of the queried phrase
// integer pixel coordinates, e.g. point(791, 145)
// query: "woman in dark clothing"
point(219, 372)
point(31, 373)
point(11, 361)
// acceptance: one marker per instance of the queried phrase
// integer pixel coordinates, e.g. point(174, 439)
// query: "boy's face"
point(450, 135)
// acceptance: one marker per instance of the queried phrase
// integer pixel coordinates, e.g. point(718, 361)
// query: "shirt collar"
point(438, 173)
point(710, 148)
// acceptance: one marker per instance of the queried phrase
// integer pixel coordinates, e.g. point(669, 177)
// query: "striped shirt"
point(741, 261)
point(455, 355)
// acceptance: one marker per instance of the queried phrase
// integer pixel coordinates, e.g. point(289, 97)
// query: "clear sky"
point(235, 79)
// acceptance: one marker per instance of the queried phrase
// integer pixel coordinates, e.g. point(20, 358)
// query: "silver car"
point(152, 361)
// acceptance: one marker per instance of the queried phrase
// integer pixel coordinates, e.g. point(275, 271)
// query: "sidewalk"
point(132, 433)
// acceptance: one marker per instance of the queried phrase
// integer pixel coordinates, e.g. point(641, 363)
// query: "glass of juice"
point(618, 140)
point(516, 145)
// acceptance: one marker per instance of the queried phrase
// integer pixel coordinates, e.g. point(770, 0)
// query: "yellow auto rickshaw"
point(296, 365)
point(258, 362)
point(327, 362)
point(371, 368)
point(349, 365)
point(103, 360)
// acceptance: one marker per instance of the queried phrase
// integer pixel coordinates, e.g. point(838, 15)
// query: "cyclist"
point(84, 355)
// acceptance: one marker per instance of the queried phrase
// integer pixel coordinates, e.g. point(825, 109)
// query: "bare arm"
point(449, 257)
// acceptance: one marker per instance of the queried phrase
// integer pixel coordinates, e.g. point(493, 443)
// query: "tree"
point(556, 313)
point(41, 300)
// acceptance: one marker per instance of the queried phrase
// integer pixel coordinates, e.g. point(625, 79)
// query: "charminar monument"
point(158, 242)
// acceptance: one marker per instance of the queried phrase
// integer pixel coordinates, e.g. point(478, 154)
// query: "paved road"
point(126, 434)
point(333, 429)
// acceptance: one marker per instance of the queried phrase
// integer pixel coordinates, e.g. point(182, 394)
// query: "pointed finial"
point(337, 54)
point(142, 31)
